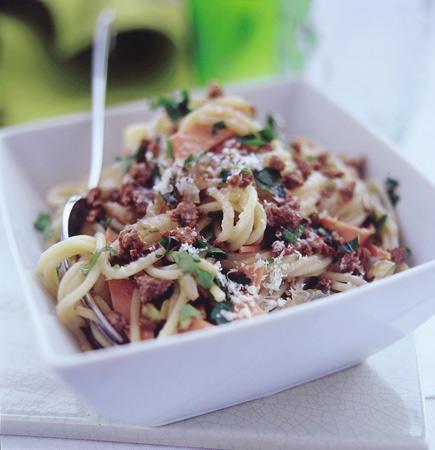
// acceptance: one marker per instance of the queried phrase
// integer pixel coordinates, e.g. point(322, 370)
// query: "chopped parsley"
point(42, 225)
point(239, 277)
point(127, 160)
point(107, 222)
point(391, 186)
point(150, 311)
point(351, 246)
point(377, 221)
point(168, 243)
point(155, 173)
point(268, 133)
point(91, 263)
point(225, 173)
point(291, 236)
point(216, 253)
point(192, 159)
point(187, 313)
point(169, 149)
point(270, 180)
point(201, 242)
point(262, 137)
point(190, 265)
point(217, 126)
point(216, 315)
point(176, 108)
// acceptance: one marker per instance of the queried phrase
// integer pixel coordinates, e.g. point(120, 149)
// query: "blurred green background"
point(45, 48)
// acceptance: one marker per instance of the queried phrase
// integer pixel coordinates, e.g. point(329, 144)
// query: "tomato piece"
point(378, 251)
point(196, 140)
point(346, 231)
point(250, 248)
point(121, 292)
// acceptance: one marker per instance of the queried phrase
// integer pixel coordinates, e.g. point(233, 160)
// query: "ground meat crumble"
point(241, 180)
point(276, 163)
point(184, 235)
point(356, 263)
point(136, 197)
point(95, 203)
point(131, 245)
point(150, 288)
point(398, 255)
point(284, 215)
point(186, 214)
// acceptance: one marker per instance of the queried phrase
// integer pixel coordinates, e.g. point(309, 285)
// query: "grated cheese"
point(189, 248)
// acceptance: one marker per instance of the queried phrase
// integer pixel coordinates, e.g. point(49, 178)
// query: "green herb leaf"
point(217, 126)
point(187, 313)
point(268, 134)
point(91, 263)
point(201, 242)
point(271, 121)
point(378, 222)
point(262, 137)
point(216, 253)
point(225, 173)
point(291, 236)
point(168, 243)
point(203, 278)
point(42, 225)
point(239, 277)
point(267, 177)
point(189, 265)
point(169, 149)
point(175, 108)
point(155, 173)
point(107, 222)
point(270, 180)
point(253, 139)
point(215, 314)
point(351, 246)
point(150, 311)
point(391, 186)
point(192, 159)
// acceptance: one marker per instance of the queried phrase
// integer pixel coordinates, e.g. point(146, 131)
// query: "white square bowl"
point(157, 382)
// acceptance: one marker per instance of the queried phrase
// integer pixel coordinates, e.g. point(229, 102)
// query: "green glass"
point(237, 39)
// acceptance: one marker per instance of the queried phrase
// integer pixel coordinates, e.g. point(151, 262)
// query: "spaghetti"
point(211, 217)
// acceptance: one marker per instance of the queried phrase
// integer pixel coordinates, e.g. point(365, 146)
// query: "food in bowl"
point(211, 217)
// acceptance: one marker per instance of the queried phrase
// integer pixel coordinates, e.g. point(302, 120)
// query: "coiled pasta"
point(212, 217)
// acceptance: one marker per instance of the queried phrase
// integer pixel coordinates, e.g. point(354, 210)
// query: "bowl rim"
point(81, 359)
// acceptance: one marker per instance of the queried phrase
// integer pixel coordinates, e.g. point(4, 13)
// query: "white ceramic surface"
point(376, 405)
point(162, 381)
